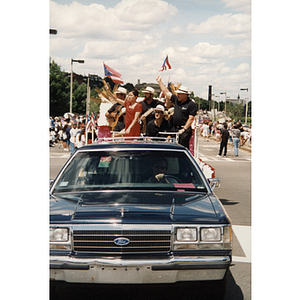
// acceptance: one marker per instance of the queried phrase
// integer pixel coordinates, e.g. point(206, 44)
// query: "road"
point(235, 195)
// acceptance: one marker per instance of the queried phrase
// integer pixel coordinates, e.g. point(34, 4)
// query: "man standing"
point(224, 140)
point(184, 112)
point(148, 104)
point(113, 114)
point(159, 124)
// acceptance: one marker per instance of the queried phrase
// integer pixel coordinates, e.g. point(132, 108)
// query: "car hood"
point(131, 207)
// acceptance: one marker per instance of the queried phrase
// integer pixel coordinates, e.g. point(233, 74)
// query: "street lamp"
point(53, 31)
point(80, 61)
point(246, 115)
point(224, 93)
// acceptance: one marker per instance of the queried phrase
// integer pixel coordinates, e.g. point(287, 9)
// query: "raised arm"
point(163, 88)
point(112, 95)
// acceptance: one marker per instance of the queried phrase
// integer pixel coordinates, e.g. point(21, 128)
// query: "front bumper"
point(120, 271)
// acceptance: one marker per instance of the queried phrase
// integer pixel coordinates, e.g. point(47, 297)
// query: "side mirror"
point(214, 182)
point(51, 182)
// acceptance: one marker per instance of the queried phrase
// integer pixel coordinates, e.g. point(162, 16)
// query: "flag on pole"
point(93, 120)
point(166, 65)
point(114, 75)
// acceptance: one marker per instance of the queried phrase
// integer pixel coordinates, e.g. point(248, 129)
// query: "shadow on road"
point(233, 291)
point(228, 202)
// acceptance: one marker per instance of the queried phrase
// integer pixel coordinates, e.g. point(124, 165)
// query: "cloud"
point(143, 13)
point(206, 50)
point(241, 5)
point(233, 26)
point(120, 22)
point(176, 30)
point(135, 36)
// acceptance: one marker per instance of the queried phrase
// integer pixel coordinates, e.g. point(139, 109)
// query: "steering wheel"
point(167, 178)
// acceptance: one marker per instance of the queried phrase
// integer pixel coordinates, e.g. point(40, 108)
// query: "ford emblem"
point(121, 241)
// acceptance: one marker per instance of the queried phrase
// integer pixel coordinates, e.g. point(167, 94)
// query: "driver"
point(159, 169)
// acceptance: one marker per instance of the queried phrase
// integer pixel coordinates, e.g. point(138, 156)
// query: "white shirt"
point(73, 133)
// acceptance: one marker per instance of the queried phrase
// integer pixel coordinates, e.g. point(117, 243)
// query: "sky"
point(208, 41)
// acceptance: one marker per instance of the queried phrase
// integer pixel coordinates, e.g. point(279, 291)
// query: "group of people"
point(233, 131)
point(152, 117)
point(70, 133)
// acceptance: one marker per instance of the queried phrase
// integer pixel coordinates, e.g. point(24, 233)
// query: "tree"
point(128, 86)
point(79, 98)
point(201, 103)
point(94, 106)
point(237, 110)
point(59, 90)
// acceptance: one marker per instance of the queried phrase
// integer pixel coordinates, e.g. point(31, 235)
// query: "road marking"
point(221, 159)
point(210, 146)
point(228, 159)
point(60, 155)
point(243, 234)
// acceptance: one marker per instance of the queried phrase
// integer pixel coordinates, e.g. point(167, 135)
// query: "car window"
point(129, 169)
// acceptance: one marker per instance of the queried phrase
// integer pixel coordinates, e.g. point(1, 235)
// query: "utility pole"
point(88, 96)
point(246, 100)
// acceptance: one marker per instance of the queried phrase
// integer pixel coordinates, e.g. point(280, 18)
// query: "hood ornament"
point(122, 210)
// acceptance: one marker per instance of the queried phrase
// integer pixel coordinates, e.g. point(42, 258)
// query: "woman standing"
point(235, 139)
point(133, 111)
point(205, 128)
point(80, 141)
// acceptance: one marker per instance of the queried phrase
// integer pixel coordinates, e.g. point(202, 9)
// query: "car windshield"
point(129, 169)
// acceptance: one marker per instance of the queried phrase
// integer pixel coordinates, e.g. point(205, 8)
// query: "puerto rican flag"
point(114, 75)
point(166, 65)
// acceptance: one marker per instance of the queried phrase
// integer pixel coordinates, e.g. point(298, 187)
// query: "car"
point(137, 212)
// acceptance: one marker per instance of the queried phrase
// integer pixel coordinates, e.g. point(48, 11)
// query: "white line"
point(60, 156)
point(243, 234)
point(223, 159)
point(210, 146)
point(228, 159)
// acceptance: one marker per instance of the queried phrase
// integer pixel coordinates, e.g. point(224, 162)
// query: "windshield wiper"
point(78, 202)
point(172, 209)
point(198, 197)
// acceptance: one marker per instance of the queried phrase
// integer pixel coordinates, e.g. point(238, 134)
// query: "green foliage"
point(238, 111)
point(79, 98)
point(128, 86)
point(201, 103)
point(59, 91)
point(94, 107)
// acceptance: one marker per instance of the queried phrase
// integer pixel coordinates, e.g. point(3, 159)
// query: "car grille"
point(141, 241)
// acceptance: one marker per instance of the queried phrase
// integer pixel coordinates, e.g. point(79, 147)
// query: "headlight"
point(58, 235)
point(186, 234)
point(211, 234)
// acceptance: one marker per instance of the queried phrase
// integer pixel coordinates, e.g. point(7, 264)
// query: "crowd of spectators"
point(213, 130)
point(74, 131)
point(70, 133)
